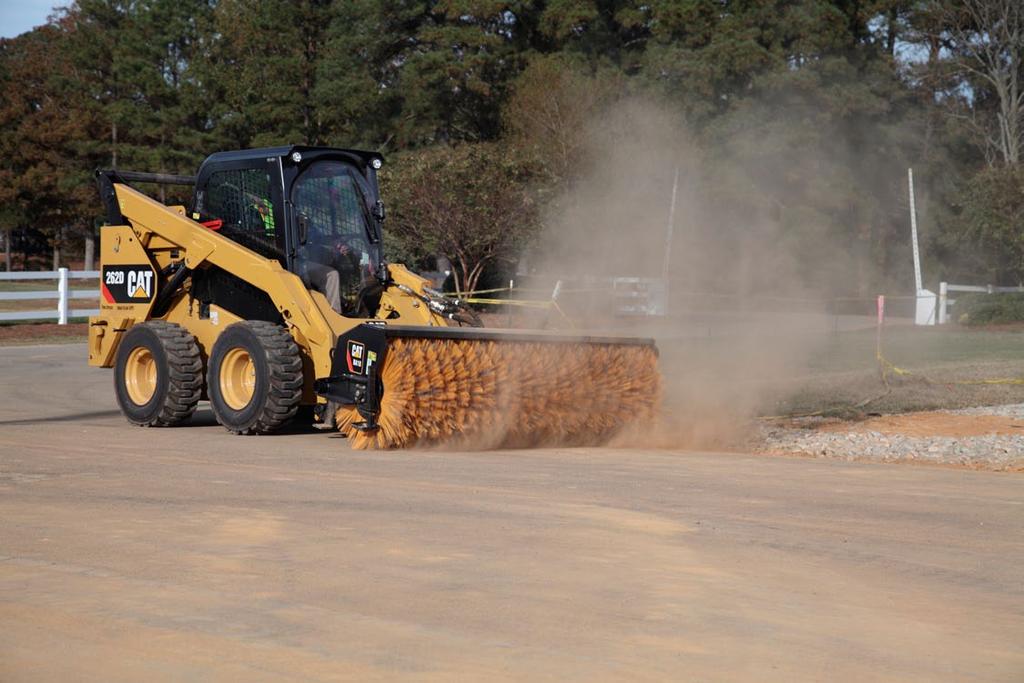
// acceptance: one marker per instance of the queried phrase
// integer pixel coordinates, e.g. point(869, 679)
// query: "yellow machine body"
point(160, 235)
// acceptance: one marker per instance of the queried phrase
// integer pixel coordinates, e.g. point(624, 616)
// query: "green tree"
point(258, 71)
point(990, 207)
point(805, 113)
point(134, 63)
point(404, 74)
point(45, 186)
point(470, 203)
point(552, 106)
point(983, 51)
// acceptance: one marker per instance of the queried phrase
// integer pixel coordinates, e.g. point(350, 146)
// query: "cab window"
point(241, 199)
point(329, 197)
point(331, 208)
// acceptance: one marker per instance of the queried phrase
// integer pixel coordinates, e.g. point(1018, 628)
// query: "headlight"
point(376, 163)
point(296, 157)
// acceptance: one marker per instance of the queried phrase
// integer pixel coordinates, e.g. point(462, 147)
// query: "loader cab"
point(316, 210)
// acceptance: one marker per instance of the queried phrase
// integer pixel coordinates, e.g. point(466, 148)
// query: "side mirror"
point(302, 221)
point(378, 210)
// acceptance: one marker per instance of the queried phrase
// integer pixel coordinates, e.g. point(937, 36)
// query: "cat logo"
point(140, 284)
point(128, 284)
point(354, 357)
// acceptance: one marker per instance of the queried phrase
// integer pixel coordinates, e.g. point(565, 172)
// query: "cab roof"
point(285, 151)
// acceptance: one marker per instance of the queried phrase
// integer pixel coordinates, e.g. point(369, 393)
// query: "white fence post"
point(943, 299)
point(62, 297)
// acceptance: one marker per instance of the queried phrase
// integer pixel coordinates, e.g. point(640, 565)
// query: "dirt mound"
point(933, 424)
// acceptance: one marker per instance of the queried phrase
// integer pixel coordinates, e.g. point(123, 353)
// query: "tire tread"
point(184, 373)
point(284, 363)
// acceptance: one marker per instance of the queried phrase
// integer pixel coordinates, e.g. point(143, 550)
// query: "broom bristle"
point(493, 394)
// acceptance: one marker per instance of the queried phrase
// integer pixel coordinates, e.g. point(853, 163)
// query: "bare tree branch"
point(985, 39)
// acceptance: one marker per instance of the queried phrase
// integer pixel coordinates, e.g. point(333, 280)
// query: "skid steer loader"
point(269, 293)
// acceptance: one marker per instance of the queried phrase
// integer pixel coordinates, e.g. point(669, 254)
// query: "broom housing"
point(402, 386)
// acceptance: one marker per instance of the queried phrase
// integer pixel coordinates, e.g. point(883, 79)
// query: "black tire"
point(177, 370)
point(276, 367)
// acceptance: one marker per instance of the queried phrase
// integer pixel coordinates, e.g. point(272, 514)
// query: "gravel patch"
point(985, 451)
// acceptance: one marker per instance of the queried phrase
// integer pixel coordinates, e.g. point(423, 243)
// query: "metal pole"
point(62, 297)
point(511, 286)
point(668, 236)
point(913, 233)
point(880, 305)
point(943, 302)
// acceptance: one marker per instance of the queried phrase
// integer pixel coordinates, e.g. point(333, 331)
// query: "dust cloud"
point(740, 320)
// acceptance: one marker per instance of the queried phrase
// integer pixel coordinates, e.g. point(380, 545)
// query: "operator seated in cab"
point(334, 256)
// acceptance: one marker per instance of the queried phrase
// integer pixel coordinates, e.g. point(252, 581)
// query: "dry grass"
point(42, 333)
point(946, 368)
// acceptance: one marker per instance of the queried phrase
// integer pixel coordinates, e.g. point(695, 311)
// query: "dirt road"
point(190, 554)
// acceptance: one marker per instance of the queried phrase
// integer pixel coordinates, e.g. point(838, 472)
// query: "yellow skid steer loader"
point(270, 293)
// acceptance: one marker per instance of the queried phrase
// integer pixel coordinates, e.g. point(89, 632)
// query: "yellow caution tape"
point(998, 380)
point(495, 291)
point(887, 366)
point(478, 291)
point(509, 302)
point(524, 303)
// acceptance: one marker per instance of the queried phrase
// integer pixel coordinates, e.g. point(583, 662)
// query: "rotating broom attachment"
point(495, 393)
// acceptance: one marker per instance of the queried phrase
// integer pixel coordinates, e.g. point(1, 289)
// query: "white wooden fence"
point(945, 302)
point(634, 295)
point(63, 294)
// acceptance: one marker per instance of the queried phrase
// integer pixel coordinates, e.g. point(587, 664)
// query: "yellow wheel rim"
point(237, 378)
point(140, 375)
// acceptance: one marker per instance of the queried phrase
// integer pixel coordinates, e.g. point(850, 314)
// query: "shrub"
point(987, 309)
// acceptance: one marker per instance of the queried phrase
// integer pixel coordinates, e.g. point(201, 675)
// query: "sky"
point(18, 16)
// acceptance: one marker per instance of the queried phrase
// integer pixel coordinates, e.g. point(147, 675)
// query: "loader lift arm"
point(150, 219)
